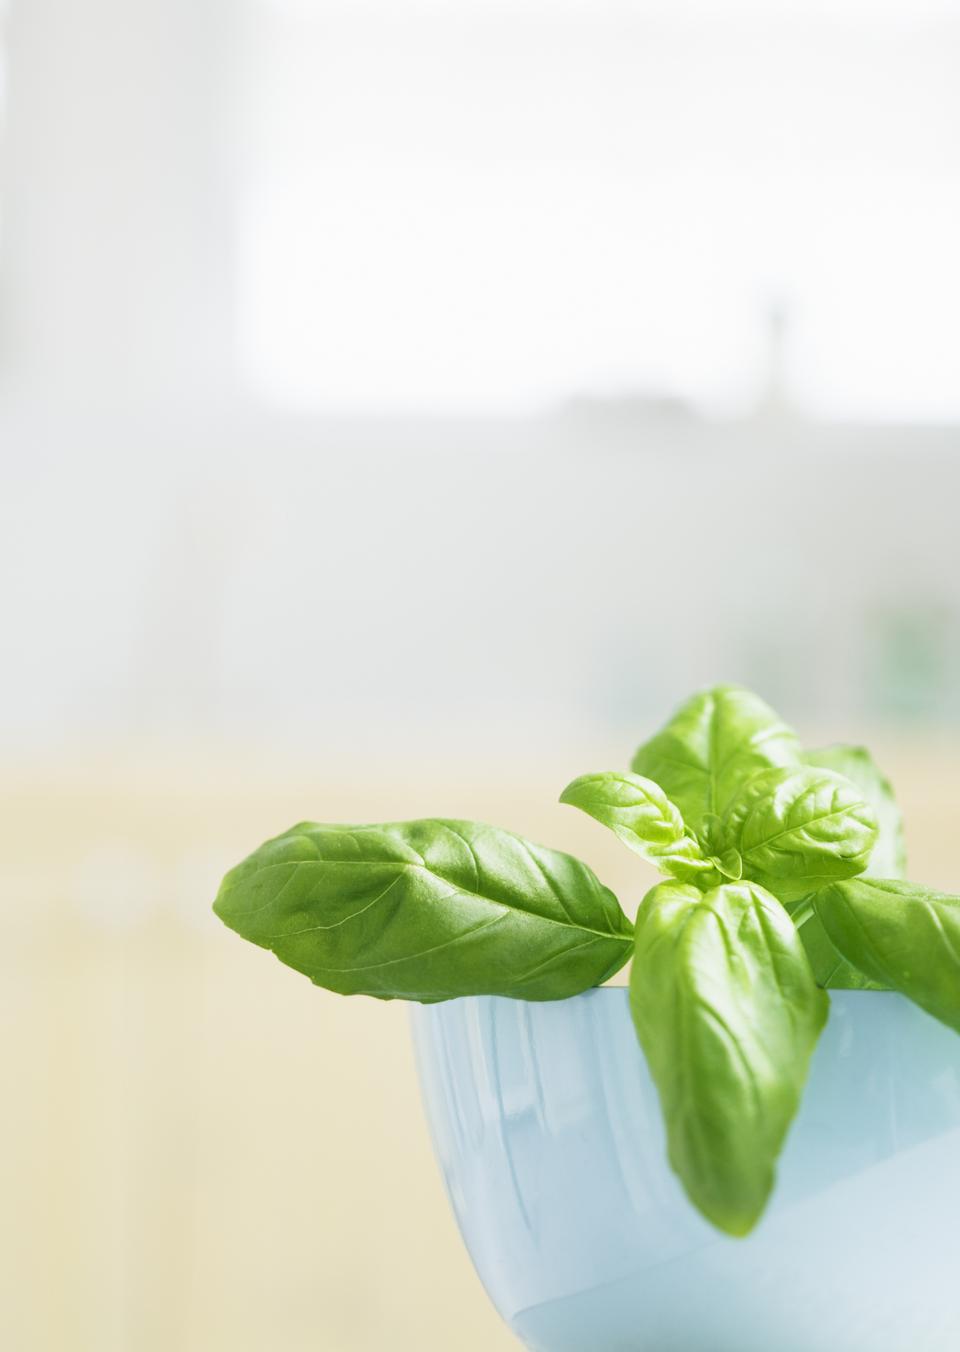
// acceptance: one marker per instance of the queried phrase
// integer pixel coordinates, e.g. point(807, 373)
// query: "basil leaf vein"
point(888, 858)
point(427, 910)
point(640, 814)
point(712, 745)
point(728, 1014)
point(798, 828)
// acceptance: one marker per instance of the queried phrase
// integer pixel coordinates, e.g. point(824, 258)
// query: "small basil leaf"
point(710, 747)
point(427, 910)
point(639, 812)
point(798, 829)
point(889, 857)
point(900, 936)
point(729, 864)
point(728, 1014)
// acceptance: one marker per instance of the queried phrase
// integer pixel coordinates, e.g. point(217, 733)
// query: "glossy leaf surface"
point(711, 747)
point(889, 856)
point(797, 829)
point(830, 969)
point(641, 815)
point(427, 910)
point(728, 1015)
point(900, 935)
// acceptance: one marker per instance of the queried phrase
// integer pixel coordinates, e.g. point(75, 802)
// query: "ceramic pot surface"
point(547, 1128)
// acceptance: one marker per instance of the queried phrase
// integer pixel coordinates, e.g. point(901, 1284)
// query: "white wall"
point(179, 559)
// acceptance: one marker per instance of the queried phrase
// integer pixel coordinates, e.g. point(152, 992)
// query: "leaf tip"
point(221, 904)
point(739, 1227)
point(735, 1219)
point(573, 793)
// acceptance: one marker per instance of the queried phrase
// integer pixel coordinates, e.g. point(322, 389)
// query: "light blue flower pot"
point(548, 1132)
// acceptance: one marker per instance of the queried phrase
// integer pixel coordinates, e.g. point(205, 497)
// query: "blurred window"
point(483, 205)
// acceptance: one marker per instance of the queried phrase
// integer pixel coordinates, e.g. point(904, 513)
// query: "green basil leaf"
point(830, 969)
point(901, 936)
point(797, 829)
point(710, 747)
point(728, 1015)
point(729, 864)
point(639, 812)
point(427, 910)
point(889, 857)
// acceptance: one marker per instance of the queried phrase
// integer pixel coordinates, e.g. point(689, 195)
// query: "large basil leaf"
point(728, 1015)
point(901, 936)
point(710, 747)
point(889, 856)
point(800, 828)
point(639, 812)
point(427, 910)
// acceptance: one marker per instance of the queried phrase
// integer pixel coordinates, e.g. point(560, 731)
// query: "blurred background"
point(403, 405)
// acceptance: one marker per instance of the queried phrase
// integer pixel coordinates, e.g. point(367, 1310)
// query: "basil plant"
point(783, 879)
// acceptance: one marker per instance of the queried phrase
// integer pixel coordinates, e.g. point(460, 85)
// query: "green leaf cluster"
point(784, 873)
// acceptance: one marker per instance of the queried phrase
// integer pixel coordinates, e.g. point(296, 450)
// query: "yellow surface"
point(198, 1149)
